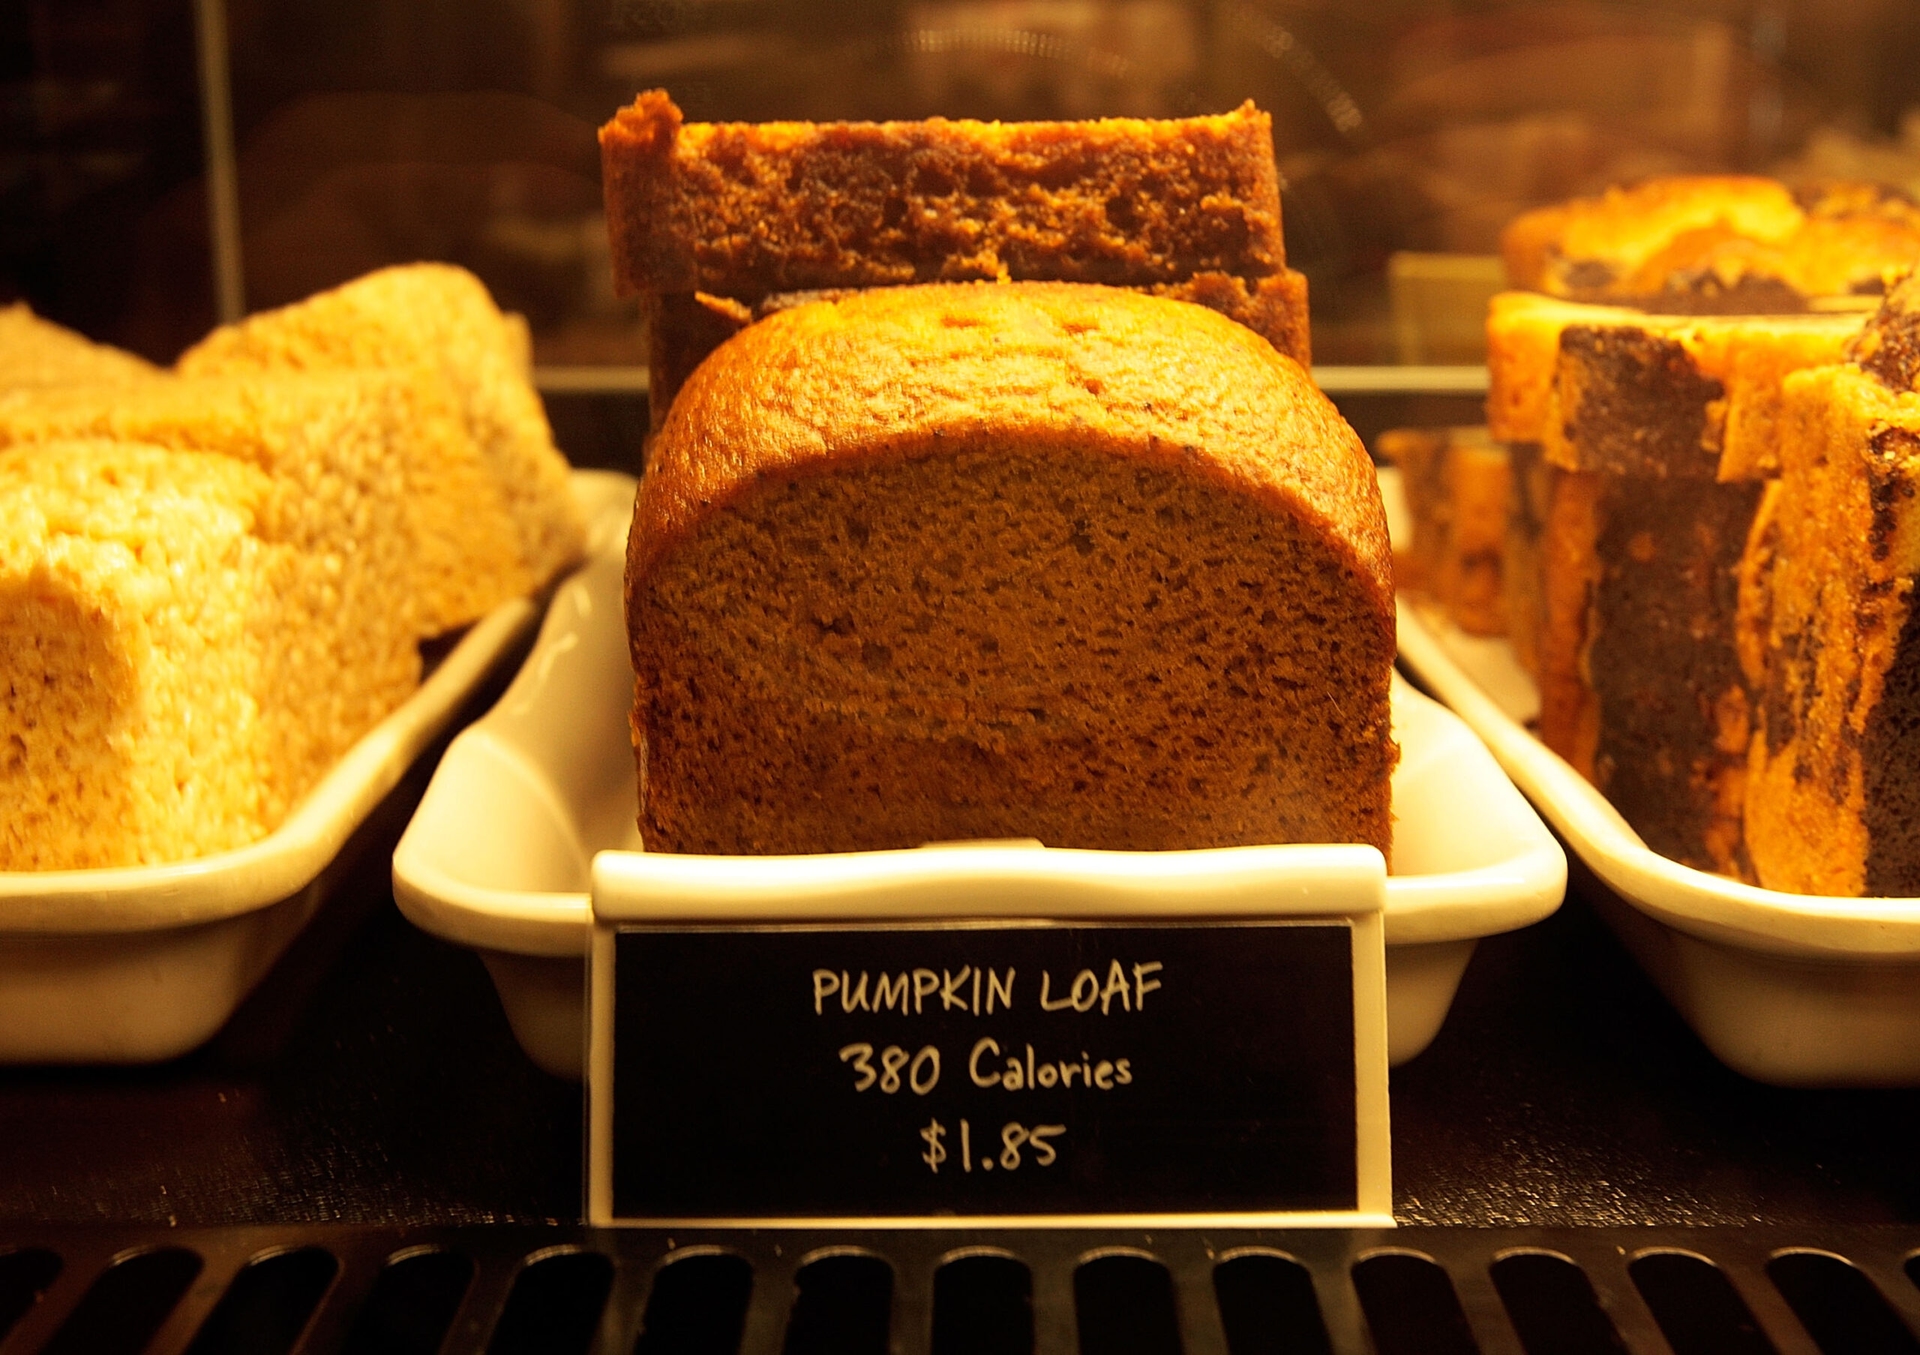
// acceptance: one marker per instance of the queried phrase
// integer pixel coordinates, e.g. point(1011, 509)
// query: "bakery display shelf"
point(559, 1290)
point(370, 1105)
point(1564, 1111)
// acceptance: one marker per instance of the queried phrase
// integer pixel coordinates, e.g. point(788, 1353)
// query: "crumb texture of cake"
point(748, 209)
point(36, 354)
point(176, 676)
point(439, 321)
point(1642, 686)
point(1832, 642)
point(368, 470)
point(1653, 433)
point(1531, 482)
point(1028, 560)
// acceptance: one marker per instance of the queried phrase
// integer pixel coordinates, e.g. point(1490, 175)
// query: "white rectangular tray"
point(498, 854)
point(1790, 989)
point(140, 964)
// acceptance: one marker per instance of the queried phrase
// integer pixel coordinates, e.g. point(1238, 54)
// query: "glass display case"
point(171, 164)
point(168, 164)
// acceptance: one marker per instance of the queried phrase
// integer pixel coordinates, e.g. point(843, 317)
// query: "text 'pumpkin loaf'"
point(1041, 560)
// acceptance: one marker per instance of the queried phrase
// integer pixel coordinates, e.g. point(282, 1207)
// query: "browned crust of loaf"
point(893, 373)
point(683, 329)
point(747, 209)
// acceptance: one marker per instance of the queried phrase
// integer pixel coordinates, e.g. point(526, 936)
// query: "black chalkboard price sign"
point(1003, 1069)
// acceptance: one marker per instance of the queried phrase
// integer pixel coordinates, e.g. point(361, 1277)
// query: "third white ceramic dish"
point(1786, 988)
point(498, 854)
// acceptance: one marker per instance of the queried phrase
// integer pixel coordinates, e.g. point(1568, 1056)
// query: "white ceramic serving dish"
point(141, 964)
point(1790, 989)
point(499, 851)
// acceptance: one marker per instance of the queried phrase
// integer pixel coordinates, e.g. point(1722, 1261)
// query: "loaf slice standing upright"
point(719, 224)
point(1008, 560)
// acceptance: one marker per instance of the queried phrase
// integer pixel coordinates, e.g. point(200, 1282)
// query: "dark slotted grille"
point(318, 1290)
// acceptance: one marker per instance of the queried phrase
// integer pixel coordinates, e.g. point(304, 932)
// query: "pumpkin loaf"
point(1830, 633)
point(718, 224)
point(1015, 560)
point(750, 209)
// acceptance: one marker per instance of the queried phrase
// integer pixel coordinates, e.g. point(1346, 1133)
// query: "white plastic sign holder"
point(989, 1034)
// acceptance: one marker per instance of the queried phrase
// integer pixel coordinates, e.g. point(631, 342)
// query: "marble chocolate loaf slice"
point(1654, 432)
point(1829, 631)
point(718, 224)
point(1716, 244)
point(1629, 392)
point(1022, 560)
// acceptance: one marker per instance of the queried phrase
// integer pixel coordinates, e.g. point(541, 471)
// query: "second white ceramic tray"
point(498, 854)
point(1791, 989)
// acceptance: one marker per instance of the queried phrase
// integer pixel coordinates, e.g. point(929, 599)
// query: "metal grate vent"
point(556, 1291)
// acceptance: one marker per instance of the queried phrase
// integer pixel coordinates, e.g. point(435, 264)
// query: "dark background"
point(380, 131)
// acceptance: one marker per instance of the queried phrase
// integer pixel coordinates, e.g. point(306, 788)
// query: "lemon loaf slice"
point(374, 470)
point(37, 353)
point(439, 319)
point(1028, 560)
point(176, 676)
